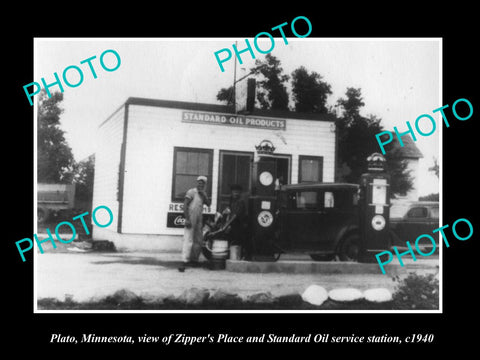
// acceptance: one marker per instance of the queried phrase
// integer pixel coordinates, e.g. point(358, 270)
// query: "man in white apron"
point(193, 212)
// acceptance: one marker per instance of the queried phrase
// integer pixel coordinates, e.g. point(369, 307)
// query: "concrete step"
point(324, 267)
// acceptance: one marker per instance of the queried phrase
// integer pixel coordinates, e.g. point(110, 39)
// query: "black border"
point(456, 24)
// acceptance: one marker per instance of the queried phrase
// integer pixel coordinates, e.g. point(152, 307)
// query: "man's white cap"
point(202, 178)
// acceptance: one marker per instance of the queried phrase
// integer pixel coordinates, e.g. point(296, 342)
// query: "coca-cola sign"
point(177, 220)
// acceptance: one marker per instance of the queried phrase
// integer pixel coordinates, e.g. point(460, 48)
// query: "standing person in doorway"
point(237, 216)
point(195, 198)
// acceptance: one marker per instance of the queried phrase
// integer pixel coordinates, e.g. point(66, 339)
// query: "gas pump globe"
point(374, 209)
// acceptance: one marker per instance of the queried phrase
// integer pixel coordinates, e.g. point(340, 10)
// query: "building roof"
point(408, 151)
point(227, 109)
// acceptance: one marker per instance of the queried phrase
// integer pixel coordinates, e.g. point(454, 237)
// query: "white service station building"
point(150, 153)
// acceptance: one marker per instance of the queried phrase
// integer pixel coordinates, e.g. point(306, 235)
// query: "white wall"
point(154, 131)
point(107, 161)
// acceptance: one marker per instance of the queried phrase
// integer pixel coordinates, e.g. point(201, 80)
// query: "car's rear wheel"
point(349, 248)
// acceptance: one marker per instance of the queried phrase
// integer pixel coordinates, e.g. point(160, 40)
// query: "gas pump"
point(374, 216)
point(262, 206)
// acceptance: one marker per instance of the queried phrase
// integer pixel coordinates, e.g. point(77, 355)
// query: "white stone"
point(345, 294)
point(378, 295)
point(194, 296)
point(315, 295)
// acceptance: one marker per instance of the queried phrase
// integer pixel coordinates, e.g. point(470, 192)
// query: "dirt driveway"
point(90, 276)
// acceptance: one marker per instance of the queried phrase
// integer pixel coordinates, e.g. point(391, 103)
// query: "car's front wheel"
point(349, 248)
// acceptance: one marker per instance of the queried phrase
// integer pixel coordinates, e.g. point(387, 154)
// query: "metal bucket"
point(219, 253)
point(219, 249)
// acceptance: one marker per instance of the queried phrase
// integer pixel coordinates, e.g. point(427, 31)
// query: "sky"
point(400, 79)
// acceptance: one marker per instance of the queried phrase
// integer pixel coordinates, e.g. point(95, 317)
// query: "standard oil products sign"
point(233, 120)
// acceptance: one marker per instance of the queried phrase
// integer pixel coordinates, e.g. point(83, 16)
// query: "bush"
point(430, 197)
point(417, 292)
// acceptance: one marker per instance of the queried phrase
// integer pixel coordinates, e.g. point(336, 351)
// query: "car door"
point(300, 220)
point(312, 220)
point(338, 213)
point(414, 223)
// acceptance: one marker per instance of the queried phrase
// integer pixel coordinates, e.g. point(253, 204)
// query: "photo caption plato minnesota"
point(186, 340)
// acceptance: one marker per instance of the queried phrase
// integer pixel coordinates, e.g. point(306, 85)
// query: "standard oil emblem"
point(265, 218)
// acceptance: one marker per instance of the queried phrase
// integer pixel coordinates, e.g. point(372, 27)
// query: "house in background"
point(412, 155)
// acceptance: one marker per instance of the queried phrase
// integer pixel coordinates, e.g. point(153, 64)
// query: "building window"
point(188, 164)
point(234, 169)
point(310, 169)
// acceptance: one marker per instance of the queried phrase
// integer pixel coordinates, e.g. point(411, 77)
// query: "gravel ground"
point(90, 276)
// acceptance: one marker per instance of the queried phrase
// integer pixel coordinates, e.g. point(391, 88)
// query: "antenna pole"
point(234, 81)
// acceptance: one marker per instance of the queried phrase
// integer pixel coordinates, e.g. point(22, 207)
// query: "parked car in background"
point(320, 219)
point(52, 199)
point(417, 218)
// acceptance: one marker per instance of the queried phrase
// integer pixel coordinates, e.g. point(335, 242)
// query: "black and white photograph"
point(170, 179)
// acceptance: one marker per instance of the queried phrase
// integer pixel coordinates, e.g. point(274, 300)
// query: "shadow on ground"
point(143, 260)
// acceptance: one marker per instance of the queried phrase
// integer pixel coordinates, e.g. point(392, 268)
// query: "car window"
point(320, 199)
point(355, 197)
point(304, 200)
point(340, 199)
point(398, 211)
point(417, 212)
point(329, 201)
point(434, 211)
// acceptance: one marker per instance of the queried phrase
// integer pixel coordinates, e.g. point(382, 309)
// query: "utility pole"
point(235, 81)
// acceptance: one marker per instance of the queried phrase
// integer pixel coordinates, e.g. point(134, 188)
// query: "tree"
point(226, 94)
point(309, 91)
point(435, 169)
point(356, 141)
point(83, 179)
point(271, 90)
point(270, 85)
point(400, 175)
point(351, 105)
point(55, 162)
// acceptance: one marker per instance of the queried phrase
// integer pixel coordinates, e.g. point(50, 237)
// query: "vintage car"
point(410, 220)
point(320, 219)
